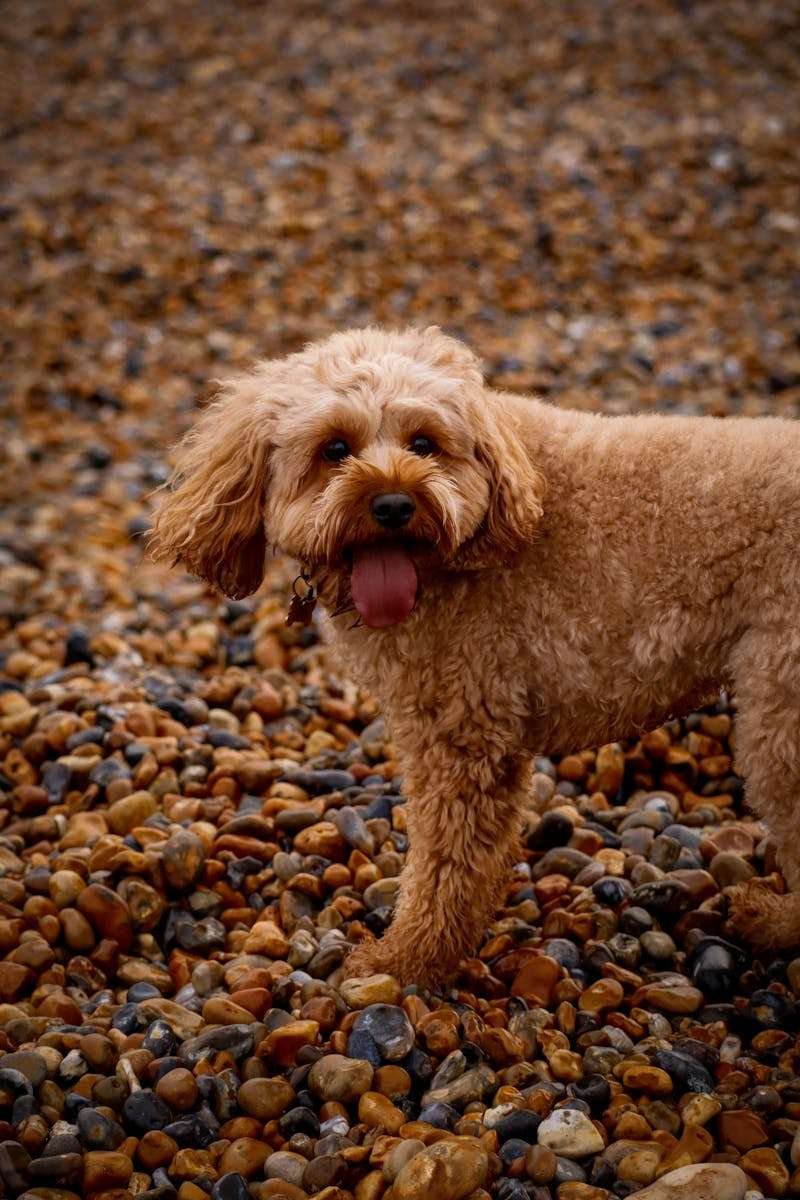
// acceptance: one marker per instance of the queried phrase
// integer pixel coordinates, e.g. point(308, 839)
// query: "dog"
point(509, 579)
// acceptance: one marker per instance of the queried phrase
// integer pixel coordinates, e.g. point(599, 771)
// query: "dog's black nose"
point(393, 509)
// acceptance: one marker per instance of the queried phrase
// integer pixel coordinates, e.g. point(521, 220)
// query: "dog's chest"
point(463, 651)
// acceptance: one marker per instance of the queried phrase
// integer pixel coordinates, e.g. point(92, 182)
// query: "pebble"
point(375, 1110)
point(372, 989)
point(570, 1133)
point(244, 1156)
point(765, 1166)
point(265, 1099)
point(335, 1077)
point(537, 979)
point(144, 1111)
point(704, 1181)
point(444, 1171)
point(183, 858)
point(104, 1170)
point(178, 1089)
point(389, 1028)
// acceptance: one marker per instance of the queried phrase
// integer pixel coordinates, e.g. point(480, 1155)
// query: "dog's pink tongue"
point(383, 585)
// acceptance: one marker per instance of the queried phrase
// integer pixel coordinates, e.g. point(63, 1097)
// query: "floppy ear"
point(211, 515)
point(516, 487)
point(449, 352)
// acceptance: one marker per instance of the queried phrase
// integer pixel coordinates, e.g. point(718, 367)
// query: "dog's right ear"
point(516, 487)
point(211, 514)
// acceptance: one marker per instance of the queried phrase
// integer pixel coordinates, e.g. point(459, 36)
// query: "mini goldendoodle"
point(508, 579)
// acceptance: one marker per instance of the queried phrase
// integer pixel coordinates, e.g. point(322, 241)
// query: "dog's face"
point(366, 457)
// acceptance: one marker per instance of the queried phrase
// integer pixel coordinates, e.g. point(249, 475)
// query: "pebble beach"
point(199, 816)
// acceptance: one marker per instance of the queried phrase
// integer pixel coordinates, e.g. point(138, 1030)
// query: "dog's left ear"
point(211, 516)
point(516, 487)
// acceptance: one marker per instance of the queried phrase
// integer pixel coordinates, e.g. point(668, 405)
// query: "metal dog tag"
point(301, 607)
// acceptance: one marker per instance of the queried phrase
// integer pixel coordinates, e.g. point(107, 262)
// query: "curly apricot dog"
point(508, 579)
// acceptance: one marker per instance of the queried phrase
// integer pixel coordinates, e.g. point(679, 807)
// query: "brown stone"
point(245, 1156)
point(145, 905)
point(241, 1127)
point(339, 1078)
point(323, 839)
point(191, 1191)
point(392, 1080)
point(695, 1146)
point(65, 887)
point(372, 989)
point(602, 995)
point(57, 1004)
point(267, 938)
point(15, 980)
point(377, 1111)
point(190, 1164)
point(573, 1190)
point(124, 815)
point(536, 980)
point(183, 856)
point(266, 1099)
point(78, 933)
point(221, 1010)
point(449, 1170)
point(257, 1000)
point(742, 1128)
point(178, 1089)
point(766, 1168)
point(107, 913)
point(267, 702)
point(99, 1052)
point(728, 839)
point(103, 1169)
point(156, 1149)
point(640, 1166)
point(282, 1044)
point(669, 997)
point(540, 1164)
point(609, 769)
point(648, 1079)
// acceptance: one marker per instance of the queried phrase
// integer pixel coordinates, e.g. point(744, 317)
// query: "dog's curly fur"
point(581, 577)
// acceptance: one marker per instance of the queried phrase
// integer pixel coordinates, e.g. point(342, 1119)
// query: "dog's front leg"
point(464, 806)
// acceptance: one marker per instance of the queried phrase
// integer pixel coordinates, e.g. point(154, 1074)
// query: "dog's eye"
point(423, 446)
point(336, 450)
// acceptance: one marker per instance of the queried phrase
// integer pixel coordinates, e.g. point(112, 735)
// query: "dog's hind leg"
point(464, 817)
point(766, 667)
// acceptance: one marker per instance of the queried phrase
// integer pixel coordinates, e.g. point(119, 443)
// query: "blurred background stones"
point(197, 814)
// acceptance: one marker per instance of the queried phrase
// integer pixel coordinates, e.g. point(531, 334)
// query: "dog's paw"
point(364, 960)
point(755, 915)
point(385, 958)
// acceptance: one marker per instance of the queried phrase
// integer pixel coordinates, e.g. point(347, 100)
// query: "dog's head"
point(365, 457)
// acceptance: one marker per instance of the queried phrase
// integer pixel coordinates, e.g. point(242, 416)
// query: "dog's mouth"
point(383, 582)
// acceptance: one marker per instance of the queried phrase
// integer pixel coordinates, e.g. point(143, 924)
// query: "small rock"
point(389, 1028)
point(767, 1169)
point(372, 989)
point(183, 858)
point(703, 1181)
point(334, 1077)
point(375, 1110)
point(536, 980)
point(178, 1089)
point(444, 1171)
point(103, 1170)
point(144, 1111)
point(125, 814)
point(570, 1133)
point(265, 1099)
